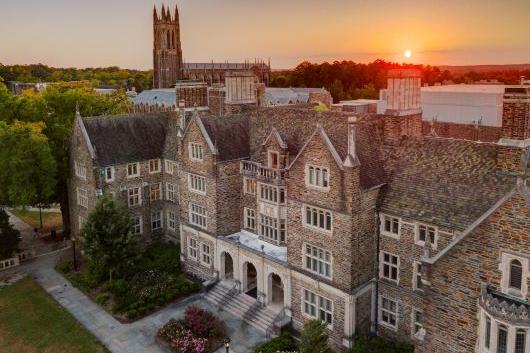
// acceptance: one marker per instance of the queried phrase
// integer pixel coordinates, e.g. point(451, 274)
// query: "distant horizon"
point(102, 33)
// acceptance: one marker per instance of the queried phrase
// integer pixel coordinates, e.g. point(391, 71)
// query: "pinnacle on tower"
point(155, 14)
point(163, 16)
point(176, 12)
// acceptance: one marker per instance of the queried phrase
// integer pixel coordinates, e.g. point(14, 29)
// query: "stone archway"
point(276, 290)
point(227, 266)
point(250, 279)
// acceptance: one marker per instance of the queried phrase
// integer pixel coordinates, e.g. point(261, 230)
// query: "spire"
point(163, 15)
point(155, 14)
point(176, 13)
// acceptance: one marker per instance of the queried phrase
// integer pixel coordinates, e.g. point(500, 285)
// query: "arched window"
point(173, 39)
point(168, 40)
point(516, 274)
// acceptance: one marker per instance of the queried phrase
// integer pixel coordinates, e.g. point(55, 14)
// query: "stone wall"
point(463, 131)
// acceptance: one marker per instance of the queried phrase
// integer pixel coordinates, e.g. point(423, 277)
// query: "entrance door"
point(251, 280)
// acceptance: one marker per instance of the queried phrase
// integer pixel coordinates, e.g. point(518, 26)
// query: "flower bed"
point(199, 332)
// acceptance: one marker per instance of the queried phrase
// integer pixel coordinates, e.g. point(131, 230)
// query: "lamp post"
point(227, 344)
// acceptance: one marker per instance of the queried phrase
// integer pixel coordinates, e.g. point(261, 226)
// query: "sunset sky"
point(92, 33)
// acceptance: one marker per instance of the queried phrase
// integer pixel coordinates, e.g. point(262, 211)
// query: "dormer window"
point(515, 273)
point(390, 226)
point(426, 234)
point(154, 166)
point(317, 176)
point(195, 152)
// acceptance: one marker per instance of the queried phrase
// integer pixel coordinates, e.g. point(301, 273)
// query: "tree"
point(108, 239)
point(380, 345)
point(9, 237)
point(27, 167)
point(314, 338)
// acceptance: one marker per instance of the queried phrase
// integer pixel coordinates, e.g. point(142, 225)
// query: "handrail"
point(258, 170)
point(276, 322)
point(224, 300)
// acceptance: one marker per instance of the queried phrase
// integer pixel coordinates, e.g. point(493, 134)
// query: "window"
point(82, 197)
point(133, 170)
point(416, 277)
point(317, 177)
point(137, 225)
point(192, 248)
point(426, 235)
point(197, 183)
point(154, 166)
point(487, 333)
point(109, 174)
point(388, 312)
point(502, 339)
point(520, 341)
point(134, 197)
point(169, 166)
point(154, 191)
point(389, 267)
point(268, 227)
point(417, 321)
point(81, 221)
point(318, 307)
point(156, 220)
point(516, 274)
point(274, 160)
point(195, 151)
point(198, 215)
point(268, 193)
point(171, 221)
point(390, 226)
point(249, 218)
point(317, 218)
point(249, 186)
point(317, 260)
point(170, 192)
point(80, 170)
point(282, 231)
point(206, 256)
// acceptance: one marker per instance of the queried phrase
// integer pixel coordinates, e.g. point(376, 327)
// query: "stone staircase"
point(241, 305)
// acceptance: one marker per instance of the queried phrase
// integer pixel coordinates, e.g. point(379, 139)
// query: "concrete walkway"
point(139, 337)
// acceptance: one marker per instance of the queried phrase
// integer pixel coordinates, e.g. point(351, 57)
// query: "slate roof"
point(126, 138)
point(229, 134)
point(444, 182)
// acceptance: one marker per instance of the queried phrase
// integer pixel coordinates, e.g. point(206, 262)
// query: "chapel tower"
point(167, 50)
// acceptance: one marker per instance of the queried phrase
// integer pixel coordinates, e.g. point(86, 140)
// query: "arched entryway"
point(276, 290)
point(227, 266)
point(250, 279)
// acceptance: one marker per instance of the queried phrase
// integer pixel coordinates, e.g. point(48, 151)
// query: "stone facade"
point(359, 221)
point(167, 49)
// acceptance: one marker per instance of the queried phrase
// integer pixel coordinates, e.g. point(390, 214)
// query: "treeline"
point(109, 76)
point(349, 80)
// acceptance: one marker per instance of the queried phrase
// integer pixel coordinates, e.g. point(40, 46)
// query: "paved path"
point(137, 337)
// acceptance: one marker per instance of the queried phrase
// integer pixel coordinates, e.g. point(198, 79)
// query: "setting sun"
point(408, 53)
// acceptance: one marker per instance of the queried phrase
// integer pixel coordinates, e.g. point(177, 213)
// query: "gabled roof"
point(444, 182)
point(274, 133)
point(126, 138)
point(229, 135)
point(319, 131)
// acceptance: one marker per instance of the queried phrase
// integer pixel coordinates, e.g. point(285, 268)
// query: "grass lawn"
point(31, 322)
point(50, 220)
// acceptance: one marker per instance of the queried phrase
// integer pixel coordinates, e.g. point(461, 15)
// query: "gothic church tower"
point(167, 50)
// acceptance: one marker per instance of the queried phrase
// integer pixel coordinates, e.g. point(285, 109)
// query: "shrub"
point(201, 322)
point(96, 273)
point(181, 339)
point(103, 298)
point(380, 345)
point(65, 267)
point(282, 343)
point(314, 338)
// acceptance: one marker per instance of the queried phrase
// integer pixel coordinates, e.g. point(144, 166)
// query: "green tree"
point(314, 338)
point(108, 239)
point(27, 167)
point(7, 102)
point(380, 345)
point(9, 237)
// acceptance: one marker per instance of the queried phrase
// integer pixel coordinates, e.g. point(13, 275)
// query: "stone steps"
point(239, 304)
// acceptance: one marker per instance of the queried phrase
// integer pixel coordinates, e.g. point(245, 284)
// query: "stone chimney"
point(351, 159)
point(403, 96)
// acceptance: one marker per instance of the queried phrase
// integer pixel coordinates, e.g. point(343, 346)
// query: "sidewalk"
point(139, 337)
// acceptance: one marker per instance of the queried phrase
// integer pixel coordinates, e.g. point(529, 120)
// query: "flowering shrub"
point(201, 322)
point(199, 332)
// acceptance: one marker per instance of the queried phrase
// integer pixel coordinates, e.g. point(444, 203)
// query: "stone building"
point(357, 220)
point(168, 65)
